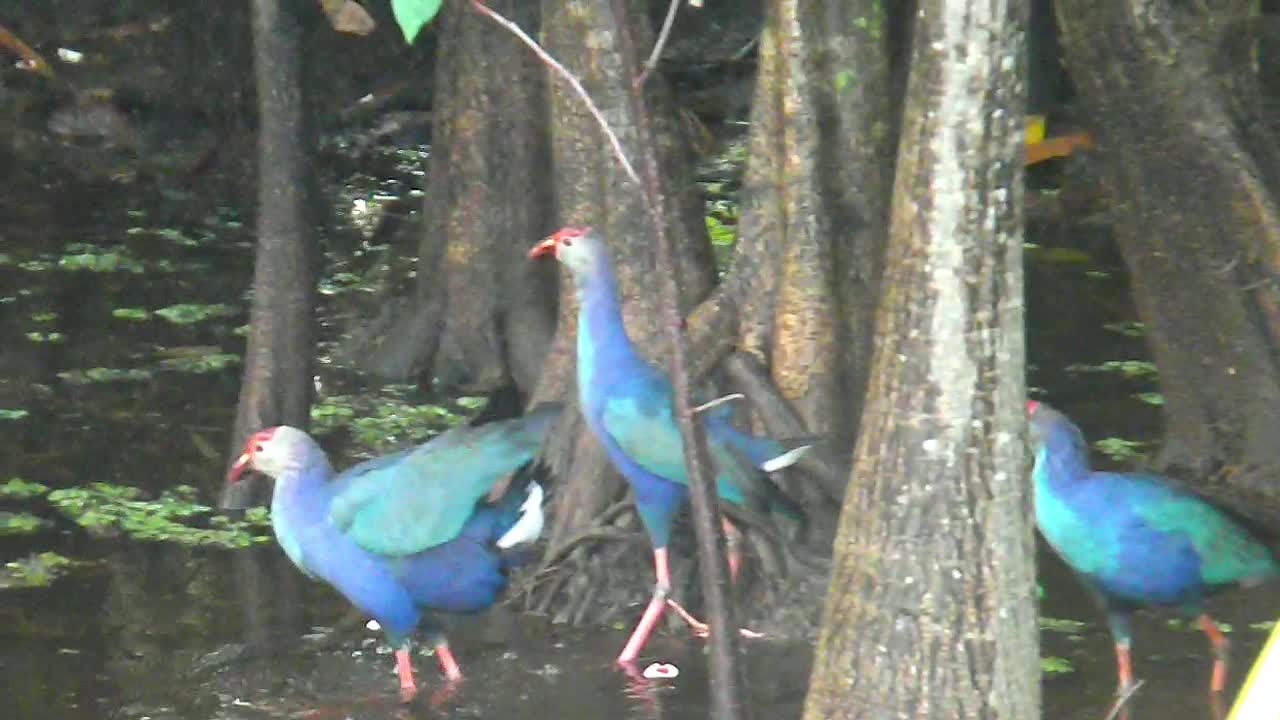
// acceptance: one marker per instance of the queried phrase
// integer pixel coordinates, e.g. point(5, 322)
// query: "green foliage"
point(15, 488)
point(12, 414)
point(1151, 398)
point(114, 260)
point(46, 337)
point(412, 15)
point(103, 508)
point(1121, 450)
point(1054, 665)
point(188, 314)
point(36, 570)
point(20, 524)
point(44, 317)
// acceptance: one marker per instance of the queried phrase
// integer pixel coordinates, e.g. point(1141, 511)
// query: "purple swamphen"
point(419, 530)
point(1136, 540)
point(628, 404)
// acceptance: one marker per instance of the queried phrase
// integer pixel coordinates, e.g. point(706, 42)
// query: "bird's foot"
point(445, 693)
point(701, 629)
point(408, 693)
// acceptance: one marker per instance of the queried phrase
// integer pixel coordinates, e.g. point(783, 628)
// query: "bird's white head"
point(576, 247)
point(271, 452)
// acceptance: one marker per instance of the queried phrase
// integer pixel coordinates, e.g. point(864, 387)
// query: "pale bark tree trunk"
point(932, 611)
point(1191, 158)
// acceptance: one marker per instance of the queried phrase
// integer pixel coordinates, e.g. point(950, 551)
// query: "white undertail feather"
point(785, 460)
point(529, 526)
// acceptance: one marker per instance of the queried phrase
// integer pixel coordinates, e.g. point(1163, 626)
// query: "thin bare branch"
point(718, 401)
point(574, 83)
point(663, 34)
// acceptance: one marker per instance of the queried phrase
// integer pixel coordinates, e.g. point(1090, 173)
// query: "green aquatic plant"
point(9, 414)
point(20, 524)
point(1132, 369)
point(1054, 665)
point(37, 570)
point(1062, 625)
point(199, 362)
point(390, 419)
point(104, 375)
point(187, 314)
point(1121, 450)
point(15, 488)
point(46, 337)
point(129, 313)
point(107, 509)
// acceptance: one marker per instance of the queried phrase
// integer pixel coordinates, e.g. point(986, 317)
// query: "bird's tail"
point(527, 518)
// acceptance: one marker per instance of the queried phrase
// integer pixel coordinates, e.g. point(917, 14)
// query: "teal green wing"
point(1228, 552)
point(415, 500)
point(639, 419)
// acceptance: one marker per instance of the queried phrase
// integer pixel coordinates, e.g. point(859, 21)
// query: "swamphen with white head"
point(419, 530)
point(1136, 540)
point(629, 406)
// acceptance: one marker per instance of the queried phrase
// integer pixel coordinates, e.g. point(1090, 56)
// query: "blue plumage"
point(410, 532)
point(628, 404)
point(1135, 539)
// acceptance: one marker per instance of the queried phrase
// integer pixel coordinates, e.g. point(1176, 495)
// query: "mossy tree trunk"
point(1192, 159)
point(482, 315)
point(931, 612)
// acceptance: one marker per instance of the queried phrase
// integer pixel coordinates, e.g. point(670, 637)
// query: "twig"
point(718, 401)
point(1123, 699)
point(574, 83)
point(663, 34)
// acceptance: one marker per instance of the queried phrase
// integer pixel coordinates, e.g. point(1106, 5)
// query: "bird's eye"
point(567, 242)
point(258, 448)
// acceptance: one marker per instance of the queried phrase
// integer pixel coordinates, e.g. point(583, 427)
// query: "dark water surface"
point(156, 630)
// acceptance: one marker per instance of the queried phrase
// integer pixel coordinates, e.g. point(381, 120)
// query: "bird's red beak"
point(1032, 406)
point(238, 467)
point(546, 247)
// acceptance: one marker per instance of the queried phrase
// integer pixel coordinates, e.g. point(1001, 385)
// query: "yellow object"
point(1259, 698)
point(1035, 129)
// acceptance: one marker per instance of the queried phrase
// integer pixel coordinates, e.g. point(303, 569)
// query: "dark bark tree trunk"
point(276, 386)
point(931, 612)
point(1192, 161)
point(483, 315)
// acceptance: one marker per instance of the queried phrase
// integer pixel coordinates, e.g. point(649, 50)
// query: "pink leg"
point(733, 544)
point(447, 662)
point(1220, 652)
point(652, 613)
point(404, 666)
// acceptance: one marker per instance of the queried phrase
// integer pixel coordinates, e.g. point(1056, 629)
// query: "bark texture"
point(482, 315)
point(1192, 160)
point(276, 386)
point(931, 612)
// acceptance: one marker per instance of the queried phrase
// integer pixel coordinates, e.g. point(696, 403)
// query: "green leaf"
point(6, 414)
point(411, 15)
point(131, 313)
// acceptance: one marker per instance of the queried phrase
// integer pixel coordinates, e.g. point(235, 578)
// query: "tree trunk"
point(276, 386)
point(592, 189)
point(931, 612)
point(483, 315)
point(806, 268)
point(1193, 163)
